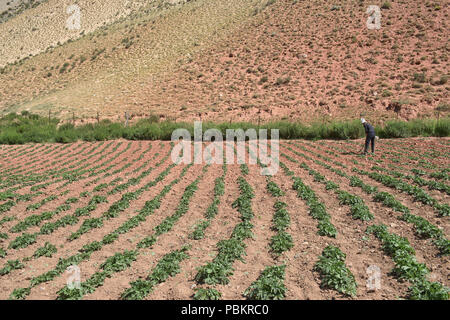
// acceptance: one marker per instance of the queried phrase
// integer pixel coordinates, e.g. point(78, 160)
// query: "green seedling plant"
point(334, 273)
point(406, 266)
point(207, 294)
point(167, 267)
point(269, 285)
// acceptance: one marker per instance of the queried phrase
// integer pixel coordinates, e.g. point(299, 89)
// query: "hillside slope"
point(241, 60)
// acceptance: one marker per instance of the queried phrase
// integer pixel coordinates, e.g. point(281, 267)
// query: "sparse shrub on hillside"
point(264, 6)
point(443, 107)
point(371, 60)
point(127, 42)
point(18, 9)
point(420, 77)
point(386, 5)
point(96, 53)
point(386, 93)
point(283, 80)
point(64, 67)
point(442, 80)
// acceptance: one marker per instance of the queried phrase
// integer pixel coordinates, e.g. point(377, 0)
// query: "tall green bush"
point(27, 127)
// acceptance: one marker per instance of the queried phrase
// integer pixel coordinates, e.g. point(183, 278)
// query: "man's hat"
point(363, 120)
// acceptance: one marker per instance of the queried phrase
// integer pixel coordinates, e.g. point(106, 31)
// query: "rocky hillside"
point(11, 8)
point(228, 60)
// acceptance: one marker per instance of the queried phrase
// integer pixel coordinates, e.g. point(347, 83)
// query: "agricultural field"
point(330, 224)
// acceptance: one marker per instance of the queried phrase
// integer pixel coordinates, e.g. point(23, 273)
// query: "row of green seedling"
point(424, 229)
point(220, 268)
point(431, 184)
point(48, 228)
point(417, 193)
point(358, 208)
point(123, 260)
point(407, 268)
point(331, 265)
point(211, 212)
point(85, 252)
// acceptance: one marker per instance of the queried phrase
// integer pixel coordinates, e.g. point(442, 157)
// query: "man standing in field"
point(370, 135)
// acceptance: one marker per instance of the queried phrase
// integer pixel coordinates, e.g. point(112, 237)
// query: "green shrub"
point(394, 129)
point(20, 129)
point(386, 5)
point(442, 128)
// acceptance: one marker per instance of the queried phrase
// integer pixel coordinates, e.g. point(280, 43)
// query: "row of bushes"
point(24, 128)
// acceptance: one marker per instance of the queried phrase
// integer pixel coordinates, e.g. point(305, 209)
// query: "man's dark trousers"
point(371, 140)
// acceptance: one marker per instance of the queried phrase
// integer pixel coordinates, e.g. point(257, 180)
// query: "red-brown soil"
point(301, 281)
